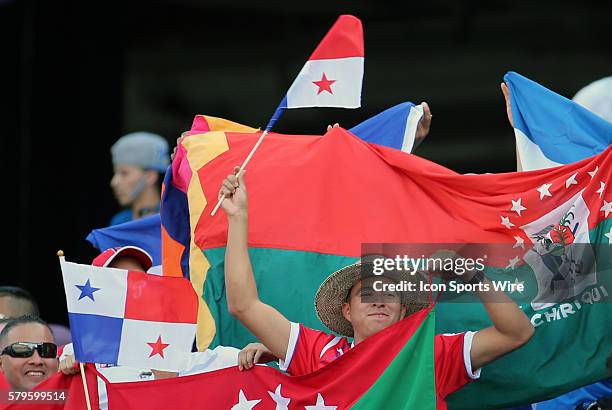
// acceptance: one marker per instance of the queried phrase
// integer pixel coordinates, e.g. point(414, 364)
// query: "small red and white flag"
point(333, 75)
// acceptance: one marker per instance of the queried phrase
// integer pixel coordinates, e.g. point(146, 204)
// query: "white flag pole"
point(242, 167)
point(60, 255)
point(85, 386)
point(279, 110)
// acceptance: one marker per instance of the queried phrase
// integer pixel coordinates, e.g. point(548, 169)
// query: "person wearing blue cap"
point(140, 160)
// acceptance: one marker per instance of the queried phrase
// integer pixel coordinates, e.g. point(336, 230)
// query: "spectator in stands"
point(28, 352)
point(140, 160)
point(16, 302)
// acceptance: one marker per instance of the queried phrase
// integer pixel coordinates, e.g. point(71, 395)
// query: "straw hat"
point(335, 288)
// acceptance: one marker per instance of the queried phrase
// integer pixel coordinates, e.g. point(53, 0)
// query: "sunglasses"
point(25, 349)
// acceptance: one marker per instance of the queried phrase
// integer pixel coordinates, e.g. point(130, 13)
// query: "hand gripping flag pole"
point(274, 118)
point(332, 77)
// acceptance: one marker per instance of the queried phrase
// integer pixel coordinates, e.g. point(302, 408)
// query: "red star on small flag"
point(158, 347)
point(324, 84)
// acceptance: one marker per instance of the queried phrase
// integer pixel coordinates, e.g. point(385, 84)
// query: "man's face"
point(25, 373)
point(127, 180)
point(370, 318)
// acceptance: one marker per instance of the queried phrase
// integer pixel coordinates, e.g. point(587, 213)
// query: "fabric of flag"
point(550, 129)
point(66, 387)
point(333, 74)
point(577, 399)
point(546, 123)
point(4, 385)
point(314, 200)
point(144, 233)
point(395, 127)
point(179, 251)
point(393, 370)
point(129, 318)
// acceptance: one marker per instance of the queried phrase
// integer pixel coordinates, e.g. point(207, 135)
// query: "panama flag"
point(129, 318)
point(333, 74)
point(550, 129)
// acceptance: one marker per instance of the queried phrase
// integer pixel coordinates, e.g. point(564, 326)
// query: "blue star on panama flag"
point(87, 290)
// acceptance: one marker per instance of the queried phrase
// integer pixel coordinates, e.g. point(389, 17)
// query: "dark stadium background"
point(76, 75)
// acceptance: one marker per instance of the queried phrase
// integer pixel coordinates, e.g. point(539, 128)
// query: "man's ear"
point(346, 311)
point(151, 176)
point(403, 311)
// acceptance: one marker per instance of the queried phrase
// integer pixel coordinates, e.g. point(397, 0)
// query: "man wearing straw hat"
point(339, 305)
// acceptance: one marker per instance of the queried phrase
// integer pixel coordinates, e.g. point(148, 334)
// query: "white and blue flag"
point(395, 127)
point(550, 129)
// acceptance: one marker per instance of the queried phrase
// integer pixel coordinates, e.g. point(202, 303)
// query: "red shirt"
point(309, 350)
point(4, 384)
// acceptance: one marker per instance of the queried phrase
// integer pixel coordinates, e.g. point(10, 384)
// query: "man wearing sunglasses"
point(28, 352)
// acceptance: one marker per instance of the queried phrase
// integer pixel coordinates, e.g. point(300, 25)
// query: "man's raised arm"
point(511, 327)
point(265, 322)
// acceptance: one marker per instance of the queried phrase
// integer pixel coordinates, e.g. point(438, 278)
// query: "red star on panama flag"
point(324, 84)
point(158, 347)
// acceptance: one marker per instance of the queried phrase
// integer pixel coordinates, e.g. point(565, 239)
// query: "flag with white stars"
point(393, 370)
point(339, 192)
point(129, 318)
point(561, 226)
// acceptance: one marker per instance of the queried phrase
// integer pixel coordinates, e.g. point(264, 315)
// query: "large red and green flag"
point(394, 370)
point(314, 200)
